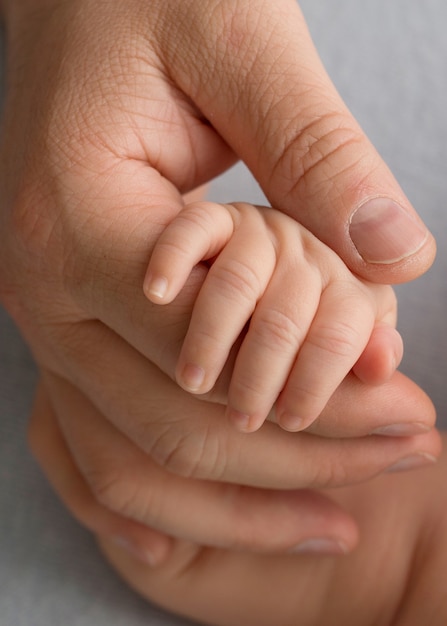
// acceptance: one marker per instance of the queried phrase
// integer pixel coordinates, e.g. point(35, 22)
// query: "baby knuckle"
point(236, 280)
point(199, 213)
point(275, 328)
point(339, 339)
point(177, 248)
point(195, 217)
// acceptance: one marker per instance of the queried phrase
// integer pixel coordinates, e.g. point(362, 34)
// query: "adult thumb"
point(253, 71)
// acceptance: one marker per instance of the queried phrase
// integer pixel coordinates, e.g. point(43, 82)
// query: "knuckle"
point(333, 475)
point(176, 456)
point(199, 213)
point(189, 452)
point(337, 467)
point(125, 494)
point(194, 217)
point(124, 491)
point(236, 281)
point(173, 246)
point(321, 151)
point(277, 330)
point(112, 490)
point(338, 339)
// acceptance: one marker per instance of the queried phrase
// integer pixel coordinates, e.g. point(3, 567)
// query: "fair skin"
point(310, 320)
point(175, 496)
point(88, 181)
point(395, 577)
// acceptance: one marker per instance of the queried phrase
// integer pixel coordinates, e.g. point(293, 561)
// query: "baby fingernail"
point(289, 422)
point(383, 232)
point(240, 420)
point(412, 462)
point(321, 545)
point(192, 377)
point(126, 544)
point(155, 287)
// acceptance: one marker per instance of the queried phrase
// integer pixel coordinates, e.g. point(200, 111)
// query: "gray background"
point(388, 58)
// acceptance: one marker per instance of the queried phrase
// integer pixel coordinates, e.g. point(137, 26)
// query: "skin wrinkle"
point(113, 488)
point(177, 447)
point(247, 66)
point(242, 279)
point(358, 186)
point(115, 71)
point(303, 105)
point(337, 339)
point(295, 139)
point(177, 455)
point(223, 25)
point(354, 166)
point(211, 456)
point(300, 151)
point(115, 291)
point(246, 51)
point(276, 330)
point(225, 491)
point(322, 157)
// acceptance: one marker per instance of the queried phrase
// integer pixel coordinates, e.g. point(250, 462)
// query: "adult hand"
point(105, 124)
point(186, 88)
point(119, 492)
point(398, 516)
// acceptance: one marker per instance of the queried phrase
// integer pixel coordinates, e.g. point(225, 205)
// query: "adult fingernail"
point(412, 462)
point(320, 545)
point(401, 430)
point(383, 232)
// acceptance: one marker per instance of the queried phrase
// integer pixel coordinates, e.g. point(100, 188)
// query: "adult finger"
point(51, 451)
point(118, 301)
point(190, 437)
point(405, 410)
point(252, 69)
point(112, 486)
